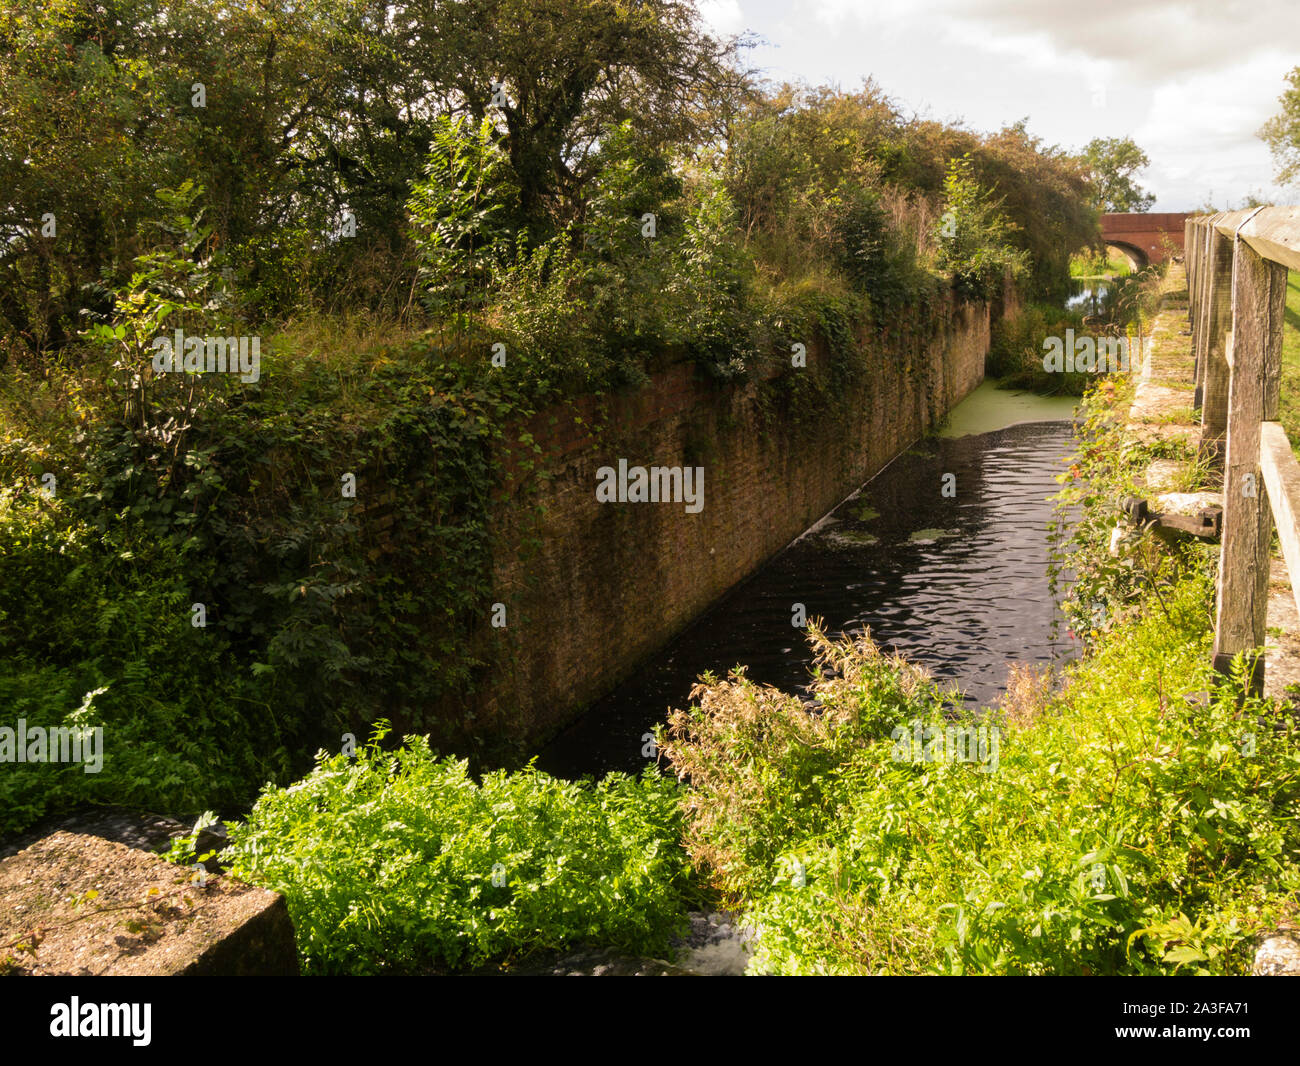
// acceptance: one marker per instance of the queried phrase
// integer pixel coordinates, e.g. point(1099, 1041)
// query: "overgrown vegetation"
point(1122, 830)
point(400, 862)
point(426, 254)
point(434, 219)
point(1106, 329)
point(1016, 350)
point(1128, 825)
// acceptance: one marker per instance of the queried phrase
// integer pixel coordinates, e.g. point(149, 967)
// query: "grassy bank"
point(1104, 266)
point(1289, 404)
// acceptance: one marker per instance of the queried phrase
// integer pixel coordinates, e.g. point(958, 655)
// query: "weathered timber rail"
point(1237, 264)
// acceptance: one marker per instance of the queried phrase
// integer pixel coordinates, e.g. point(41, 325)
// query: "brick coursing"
point(611, 583)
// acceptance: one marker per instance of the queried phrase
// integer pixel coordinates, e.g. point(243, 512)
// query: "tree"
point(1045, 192)
point(1112, 163)
point(105, 103)
point(975, 236)
point(557, 76)
point(307, 119)
point(1282, 133)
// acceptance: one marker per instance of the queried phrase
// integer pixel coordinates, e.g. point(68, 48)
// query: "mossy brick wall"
point(593, 589)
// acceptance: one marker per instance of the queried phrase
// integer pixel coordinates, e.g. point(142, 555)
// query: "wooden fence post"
point(1204, 290)
point(1214, 399)
point(1195, 260)
point(1258, 308)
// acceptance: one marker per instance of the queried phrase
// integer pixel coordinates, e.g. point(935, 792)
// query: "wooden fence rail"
point(1237, 264)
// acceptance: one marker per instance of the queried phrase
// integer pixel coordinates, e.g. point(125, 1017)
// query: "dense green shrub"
point(309, 630)
point(95, 630)
point(1120, 831)
point(461, 212)
point(975, 236)
point(401, 862)
point(880, 256)
point(654, 269)
point(1016, 351)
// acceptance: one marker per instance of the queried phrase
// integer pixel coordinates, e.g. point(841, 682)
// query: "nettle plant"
point(399, 861)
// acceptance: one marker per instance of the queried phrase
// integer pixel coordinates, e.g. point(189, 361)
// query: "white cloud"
point(723, 17)
point(1154, 38)
point(1202, 138)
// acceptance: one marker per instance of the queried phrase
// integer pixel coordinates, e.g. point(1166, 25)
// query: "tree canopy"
point(305, 120)
point(296, 115)
point(1113, 163)
point(1282, 132)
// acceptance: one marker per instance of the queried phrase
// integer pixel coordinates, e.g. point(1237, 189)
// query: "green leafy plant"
point(975, 236)
point(399, 861)
point(460, 214)
point(182, 851)
point(1113, 808)
point(178, 284)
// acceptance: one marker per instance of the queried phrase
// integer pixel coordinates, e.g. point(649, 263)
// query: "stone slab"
point(81, 905)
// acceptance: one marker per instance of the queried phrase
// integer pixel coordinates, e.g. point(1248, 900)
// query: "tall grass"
point(1289, 406)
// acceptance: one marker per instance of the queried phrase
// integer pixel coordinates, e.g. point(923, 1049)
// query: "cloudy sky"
point(1189, 80)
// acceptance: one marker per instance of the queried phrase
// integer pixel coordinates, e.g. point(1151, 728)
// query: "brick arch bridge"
point(1140, 234)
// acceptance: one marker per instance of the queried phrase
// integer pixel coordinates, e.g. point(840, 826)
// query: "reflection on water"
point(957, 584)
point(1088, 296)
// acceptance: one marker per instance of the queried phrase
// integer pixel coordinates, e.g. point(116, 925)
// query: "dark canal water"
point(956, 583)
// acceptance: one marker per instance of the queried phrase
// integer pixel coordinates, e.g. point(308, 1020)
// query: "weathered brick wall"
point(602, 586)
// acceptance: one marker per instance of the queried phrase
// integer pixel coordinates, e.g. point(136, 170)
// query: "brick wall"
point(594, 589)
